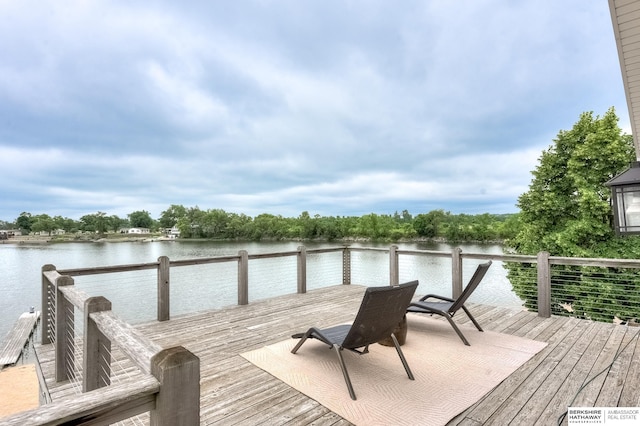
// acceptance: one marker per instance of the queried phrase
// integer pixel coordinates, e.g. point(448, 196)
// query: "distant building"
point(9, 233)
point(54, 232)
point(138, 231)
point(172, 232)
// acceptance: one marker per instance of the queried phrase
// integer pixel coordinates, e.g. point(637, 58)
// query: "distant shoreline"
point(45, 239)
point(127, 238)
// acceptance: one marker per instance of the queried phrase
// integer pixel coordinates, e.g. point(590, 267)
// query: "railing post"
point(164, 295)
point(178, 402)
point(64, 332)
point(96, 362)
point(456, 272)
point(243, 278)
point(544, 285)
point(302, 269)
point(346, 266)
point(47, 307)
point(394, 271)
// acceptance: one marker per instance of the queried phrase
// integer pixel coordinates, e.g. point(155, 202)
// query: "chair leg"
point(455, 327)
point(304, 337)
point(352, 393)
point(402, 358)
point(466, 311)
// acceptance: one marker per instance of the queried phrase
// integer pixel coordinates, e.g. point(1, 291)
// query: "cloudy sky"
point(332, 107)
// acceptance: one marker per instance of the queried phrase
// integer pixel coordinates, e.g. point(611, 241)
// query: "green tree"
point(405, 217)
point(567, 209)
point(116, 223)
point(190, 225)
point(214, 223)
point(346, 226)
point(457, 228)
point(328, 228)
point(268, 226)
point(43, 223)
point(141, 219)
point(426, 225)
point(97, 222)
point(567, 212)
point(304, 227)
point(369, 226)
point(482, 228)
point(69, 225)
point(240, 226)
point(170, 217)
point(379, 227)
point(509, 227)
point(24, 222)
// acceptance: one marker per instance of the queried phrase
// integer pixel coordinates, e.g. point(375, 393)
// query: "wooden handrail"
point(204, 260)
point(108, 269)
point(74, 295)
point(130, 397)
point(604, 263)
point(133, 344)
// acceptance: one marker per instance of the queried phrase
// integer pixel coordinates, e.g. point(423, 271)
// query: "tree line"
point(194, 222)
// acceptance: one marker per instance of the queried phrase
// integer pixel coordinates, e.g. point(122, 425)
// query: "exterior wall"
point(138, 231)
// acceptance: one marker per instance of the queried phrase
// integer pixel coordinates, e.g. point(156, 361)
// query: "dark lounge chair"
point(381, 310)
point(447, 307)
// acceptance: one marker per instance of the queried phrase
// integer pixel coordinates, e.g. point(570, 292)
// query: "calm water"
point(210, 286)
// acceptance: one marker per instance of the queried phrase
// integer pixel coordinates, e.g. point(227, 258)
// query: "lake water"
point(210, 286)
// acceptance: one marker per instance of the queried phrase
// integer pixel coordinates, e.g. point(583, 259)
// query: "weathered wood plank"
point(619, 362)
point(502, 323)
point(548, 367)
point(604, 358)
point(557, 390)
point(246, 392)
point(272, 407)
point(502, 396)
point(630, 396)
point(284, 411)
point(17, 338)
point(136, 345)
point(307, 412)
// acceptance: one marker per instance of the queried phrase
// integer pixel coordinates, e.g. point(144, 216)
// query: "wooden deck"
point(235, 392)
point(15, 341)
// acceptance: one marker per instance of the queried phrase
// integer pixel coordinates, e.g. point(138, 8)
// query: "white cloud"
point(184, 102)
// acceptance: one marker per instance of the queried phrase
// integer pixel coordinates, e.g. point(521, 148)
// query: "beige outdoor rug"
point(449, 376)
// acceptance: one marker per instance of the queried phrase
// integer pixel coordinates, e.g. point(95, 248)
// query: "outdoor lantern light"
point(625, 194)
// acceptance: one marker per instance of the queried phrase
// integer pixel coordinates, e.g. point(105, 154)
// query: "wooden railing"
point(169, 378)
point(552, 277)
point(167, 384)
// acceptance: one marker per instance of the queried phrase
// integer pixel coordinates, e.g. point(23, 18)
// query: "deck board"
point(15, 341)
point(235, 392)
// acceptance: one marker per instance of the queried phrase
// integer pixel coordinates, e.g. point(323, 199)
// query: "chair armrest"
point(435, 296)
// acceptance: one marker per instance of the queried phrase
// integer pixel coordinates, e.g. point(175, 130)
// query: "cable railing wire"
point(604, 294)
point(323, 269)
